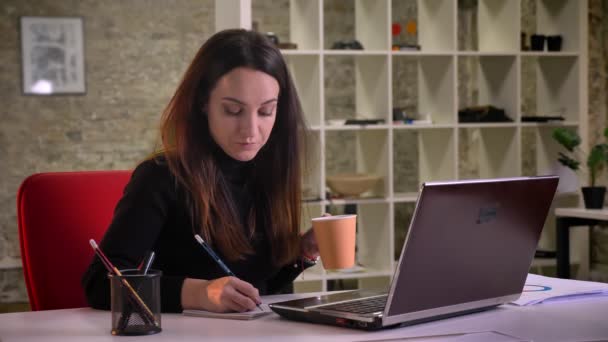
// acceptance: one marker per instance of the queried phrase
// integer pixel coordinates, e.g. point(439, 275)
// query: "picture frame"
point(52, 55)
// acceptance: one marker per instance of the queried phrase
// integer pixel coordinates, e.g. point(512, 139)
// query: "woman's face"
point(242, 111)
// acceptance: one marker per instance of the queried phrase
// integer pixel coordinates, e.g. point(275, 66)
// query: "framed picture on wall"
point(52, 55)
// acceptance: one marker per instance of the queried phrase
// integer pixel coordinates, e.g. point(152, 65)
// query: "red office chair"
point(58, 212)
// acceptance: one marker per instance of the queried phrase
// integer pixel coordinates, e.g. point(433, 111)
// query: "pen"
point(217, 259)
point(147, 263)
point(133, 294)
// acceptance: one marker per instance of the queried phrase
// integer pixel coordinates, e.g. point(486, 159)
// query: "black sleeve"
point(286, 275)
point(138, 219)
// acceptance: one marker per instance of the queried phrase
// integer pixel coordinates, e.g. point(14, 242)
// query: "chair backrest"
point(58, 212)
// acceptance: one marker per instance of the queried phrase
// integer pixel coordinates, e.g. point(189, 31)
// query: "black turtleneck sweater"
point(152, 215)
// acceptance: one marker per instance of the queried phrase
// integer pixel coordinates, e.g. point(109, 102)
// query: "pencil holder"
point(135, 302)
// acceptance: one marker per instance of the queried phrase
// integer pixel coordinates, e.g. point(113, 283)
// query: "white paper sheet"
point(481, 336)
point(541, 289)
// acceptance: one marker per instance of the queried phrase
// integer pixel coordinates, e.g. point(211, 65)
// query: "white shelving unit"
point(496, 68)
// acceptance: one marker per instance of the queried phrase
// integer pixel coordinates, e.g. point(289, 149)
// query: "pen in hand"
point(217, 259)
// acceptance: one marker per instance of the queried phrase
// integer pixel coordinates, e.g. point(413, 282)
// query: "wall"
point(135, 53)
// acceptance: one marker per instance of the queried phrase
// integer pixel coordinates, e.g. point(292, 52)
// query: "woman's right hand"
point(227, 294)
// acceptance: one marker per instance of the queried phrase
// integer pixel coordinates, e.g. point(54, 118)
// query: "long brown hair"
point(276, 174)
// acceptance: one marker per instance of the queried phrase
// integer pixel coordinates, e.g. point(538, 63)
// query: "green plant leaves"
point(567, 138)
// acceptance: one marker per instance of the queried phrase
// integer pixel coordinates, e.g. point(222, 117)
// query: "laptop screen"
point(470, 241)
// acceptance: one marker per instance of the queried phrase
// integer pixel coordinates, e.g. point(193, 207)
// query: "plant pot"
point(554, 43)
point(594, 196)
point(537, 42)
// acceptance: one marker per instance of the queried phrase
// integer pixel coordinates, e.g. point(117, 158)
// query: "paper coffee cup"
point(336, 236)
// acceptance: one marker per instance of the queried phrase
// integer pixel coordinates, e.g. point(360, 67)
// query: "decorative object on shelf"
point(411, 28)
point(351, 184)
point(537, 42)
point(409, 47)
point(554, 43)
point(483, 114)
point(364, 121)
point(287, 46)
point(281, 45)
point(396, 31)
point(347, 45)
point(336, 122)
point(273, 37)
point(400, 116)
point(524, 43)
point(52, 55)
point(593, 195)
point(537, 118)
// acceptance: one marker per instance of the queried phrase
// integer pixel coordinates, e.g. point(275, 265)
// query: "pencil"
point(143, 269)
point(112, 269)
point(217, 259)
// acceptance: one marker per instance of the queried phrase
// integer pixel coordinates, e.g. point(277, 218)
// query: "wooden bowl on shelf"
point(351, 184)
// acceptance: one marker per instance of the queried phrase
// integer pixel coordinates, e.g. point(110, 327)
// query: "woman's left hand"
point(308, 245)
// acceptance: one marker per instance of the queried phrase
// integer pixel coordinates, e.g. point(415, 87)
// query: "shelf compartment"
point(380, 282)
point(494, 82)
point(488, 152)
point(373, 237)
point(359, 152)
point(435, 23)
point(539, 157)
point(312, 187)
point(302, 26)
point(310, 211)
point(403, 216)
point(433, 95)
point(422, 156)
point(496, 28)
point(306, 74)
point(437, 27)
point(304, 23)
point(368, 99)
point(550, 86)
point(560, 17)
point(363, 20)
point(355, 200)
point(405, 197)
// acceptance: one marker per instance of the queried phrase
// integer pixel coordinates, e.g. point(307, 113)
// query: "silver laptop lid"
point(470, 245)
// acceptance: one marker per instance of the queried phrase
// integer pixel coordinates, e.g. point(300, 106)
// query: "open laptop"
point(469, 247)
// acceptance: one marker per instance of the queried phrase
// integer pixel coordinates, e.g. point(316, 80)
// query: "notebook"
point(469, 247)
point(253, 314)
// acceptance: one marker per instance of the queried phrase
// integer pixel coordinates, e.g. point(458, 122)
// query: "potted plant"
point(593, 195)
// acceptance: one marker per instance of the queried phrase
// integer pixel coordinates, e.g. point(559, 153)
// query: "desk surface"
point(581, 320)
point(594, 214)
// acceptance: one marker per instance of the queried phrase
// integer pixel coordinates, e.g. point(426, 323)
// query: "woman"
point(229, 171)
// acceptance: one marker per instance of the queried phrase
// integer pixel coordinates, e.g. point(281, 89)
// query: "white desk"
point(584, 320)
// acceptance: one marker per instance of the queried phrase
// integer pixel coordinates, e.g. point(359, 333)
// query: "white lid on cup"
point(333, 217)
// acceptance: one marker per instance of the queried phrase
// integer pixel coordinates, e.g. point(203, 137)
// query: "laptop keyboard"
point(360, 306)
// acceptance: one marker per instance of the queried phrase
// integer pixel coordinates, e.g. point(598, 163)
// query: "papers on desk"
point(231, 315)
point(481, 336)
point(540, 289)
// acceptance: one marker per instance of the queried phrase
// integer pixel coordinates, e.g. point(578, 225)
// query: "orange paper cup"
point(336, 237)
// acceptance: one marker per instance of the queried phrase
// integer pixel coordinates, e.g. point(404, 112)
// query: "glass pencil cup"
point(135, 302)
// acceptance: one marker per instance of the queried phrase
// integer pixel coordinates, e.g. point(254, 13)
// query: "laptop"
point(469, 247)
